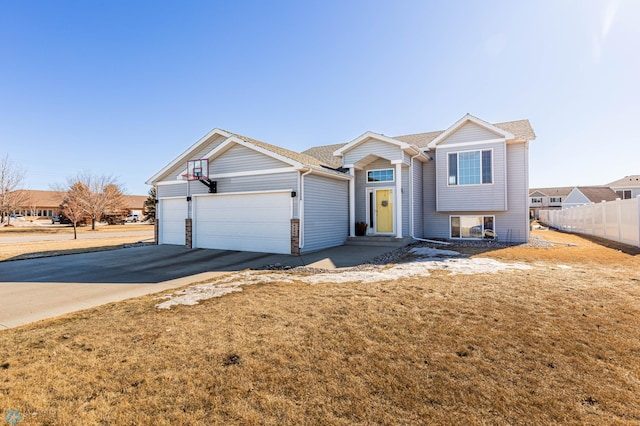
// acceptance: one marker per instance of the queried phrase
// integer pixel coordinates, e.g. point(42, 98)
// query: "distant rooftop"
point(560, 191)
point(596, 194)
point(632, 181)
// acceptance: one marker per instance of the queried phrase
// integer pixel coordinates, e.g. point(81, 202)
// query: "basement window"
point(473, 227)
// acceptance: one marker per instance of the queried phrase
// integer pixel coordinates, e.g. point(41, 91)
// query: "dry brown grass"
point(545, 346)
point(27, 250)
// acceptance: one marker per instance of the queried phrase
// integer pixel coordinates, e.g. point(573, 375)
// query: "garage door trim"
point(227, 195)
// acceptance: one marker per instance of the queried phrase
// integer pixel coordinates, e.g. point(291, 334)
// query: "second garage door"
point(259, 222)
point(171, 216)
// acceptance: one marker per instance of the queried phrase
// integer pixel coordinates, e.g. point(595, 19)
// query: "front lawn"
point(557, 343)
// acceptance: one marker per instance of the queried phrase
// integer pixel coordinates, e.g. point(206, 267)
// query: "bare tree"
point(11, 199)
point(73, 205)
point(100, 195)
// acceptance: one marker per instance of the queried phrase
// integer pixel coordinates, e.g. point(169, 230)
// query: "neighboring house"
point(467, 182)
point(582, 195)
point(546, 199)
point(45, 204)
point(627, 187)
point(40, 204)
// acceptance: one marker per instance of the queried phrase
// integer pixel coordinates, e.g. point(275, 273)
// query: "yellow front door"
point(384, 210)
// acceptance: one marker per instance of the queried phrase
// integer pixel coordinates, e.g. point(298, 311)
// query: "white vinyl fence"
point(614, 220)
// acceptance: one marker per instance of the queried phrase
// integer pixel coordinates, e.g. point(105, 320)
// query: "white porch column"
point(398, 212)
point(352, 202)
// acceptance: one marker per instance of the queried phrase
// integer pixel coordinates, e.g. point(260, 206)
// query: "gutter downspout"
point(301, 208)
point(411, 230)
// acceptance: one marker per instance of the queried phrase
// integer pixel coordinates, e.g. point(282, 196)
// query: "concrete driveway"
point(35, 289)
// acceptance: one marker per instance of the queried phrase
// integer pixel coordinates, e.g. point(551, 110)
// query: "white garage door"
point(257, 222)
point(172, 214)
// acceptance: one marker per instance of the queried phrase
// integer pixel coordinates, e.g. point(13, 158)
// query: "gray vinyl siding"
point(418, 223)
point(361, 196)
point(470, 132)
point(514, 223)
point(177, 170)
point(273, 182)
point(511, 225)
point(435, 225)
point(381, 149)
point(239, 158)
point(472, 197)
point(326, 212)
point(575, 198)
point(175, 190)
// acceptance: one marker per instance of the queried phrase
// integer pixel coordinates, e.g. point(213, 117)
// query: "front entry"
point(380, 210)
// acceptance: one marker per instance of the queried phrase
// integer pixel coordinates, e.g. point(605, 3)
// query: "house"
point(582, 195)
point(547, 199)
point(45, 204)
point(469, 181)
point(627, 187)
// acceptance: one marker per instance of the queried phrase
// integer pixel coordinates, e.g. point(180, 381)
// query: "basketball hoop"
point(197, 169)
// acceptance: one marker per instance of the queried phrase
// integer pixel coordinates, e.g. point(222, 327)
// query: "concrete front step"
point(378, 241)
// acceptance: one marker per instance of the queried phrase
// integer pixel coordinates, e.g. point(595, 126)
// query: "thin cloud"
point(610, 12)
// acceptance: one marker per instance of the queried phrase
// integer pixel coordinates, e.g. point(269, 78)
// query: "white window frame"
point(622, 194)
point(471, 215)
point(493, 174)
point(536, 200)
point(393, 173)
point(555, 199)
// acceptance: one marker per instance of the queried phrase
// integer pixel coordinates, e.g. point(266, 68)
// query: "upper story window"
point(383, 175)
point(471, 167)
point(625, 194)
point(555, 199)
point(536, 199)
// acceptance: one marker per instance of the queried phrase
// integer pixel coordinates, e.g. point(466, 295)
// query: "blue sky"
point(121, 88)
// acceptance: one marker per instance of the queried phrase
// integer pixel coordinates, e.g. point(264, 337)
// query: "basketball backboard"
point(197, 169)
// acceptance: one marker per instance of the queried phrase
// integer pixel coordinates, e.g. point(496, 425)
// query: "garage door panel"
point(173, 212)
point(251, 222)
point(236, 229)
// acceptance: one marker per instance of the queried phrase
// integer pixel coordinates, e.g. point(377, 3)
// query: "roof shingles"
point(520, 129)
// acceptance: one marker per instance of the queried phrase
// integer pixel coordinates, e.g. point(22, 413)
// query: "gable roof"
point(632, 181)
point(596, 194)
point(304, 159)
point(296, 159)
point(520, 129)
point(561, 191)
point(536, 194)
point(377, 136)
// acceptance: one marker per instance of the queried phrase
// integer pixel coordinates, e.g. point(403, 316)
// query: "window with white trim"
point(381, 175)
point(537, 200)
point(471, 167)
point(555, 199)
point(469, 226)
point(624, 194)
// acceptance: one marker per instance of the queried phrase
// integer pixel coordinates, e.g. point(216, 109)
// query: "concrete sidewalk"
point(35, 289)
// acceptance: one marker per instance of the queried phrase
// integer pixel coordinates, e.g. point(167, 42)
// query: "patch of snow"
point(418, 267)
